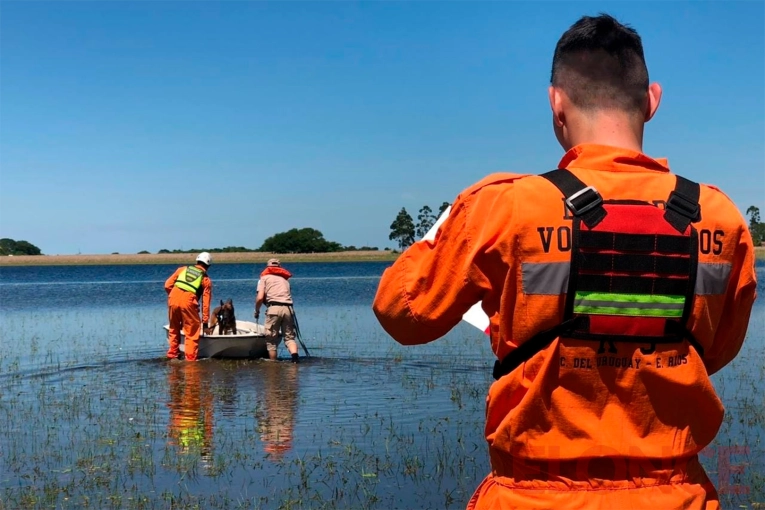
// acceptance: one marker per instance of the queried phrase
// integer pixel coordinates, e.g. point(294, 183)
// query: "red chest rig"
point(632, 274)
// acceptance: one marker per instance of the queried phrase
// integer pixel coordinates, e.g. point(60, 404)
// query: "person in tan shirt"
point(572, 422)
point(274, 291)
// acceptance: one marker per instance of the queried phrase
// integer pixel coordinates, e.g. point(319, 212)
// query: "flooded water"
point(91, 415)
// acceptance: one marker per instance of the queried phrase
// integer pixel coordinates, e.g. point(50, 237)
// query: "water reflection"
point(197, 391)
point(277, 406)
point(191, 425)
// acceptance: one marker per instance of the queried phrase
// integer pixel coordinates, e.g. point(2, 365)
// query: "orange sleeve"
point(428, 289)
point(206, 298)
point(740, 296)
point(170, 282)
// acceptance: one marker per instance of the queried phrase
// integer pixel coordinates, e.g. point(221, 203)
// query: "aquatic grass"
point(367, 423)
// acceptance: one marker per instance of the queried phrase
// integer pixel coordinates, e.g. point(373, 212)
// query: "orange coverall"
point(183, 311)
point(570, 428)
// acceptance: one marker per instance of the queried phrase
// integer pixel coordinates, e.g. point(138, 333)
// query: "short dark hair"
point(599, 63)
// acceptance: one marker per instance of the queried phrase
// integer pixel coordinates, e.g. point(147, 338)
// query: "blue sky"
point(147, 125)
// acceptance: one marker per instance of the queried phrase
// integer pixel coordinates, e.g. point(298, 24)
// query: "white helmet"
point(204, 258)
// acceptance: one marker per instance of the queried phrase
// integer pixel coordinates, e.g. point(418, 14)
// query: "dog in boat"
point(224, 317)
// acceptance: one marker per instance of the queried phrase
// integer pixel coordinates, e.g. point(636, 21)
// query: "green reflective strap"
point(630, 312)
point(630, 298)
point(635, 305)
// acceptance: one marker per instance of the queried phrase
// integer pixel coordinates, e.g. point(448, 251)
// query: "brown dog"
point(224, 317)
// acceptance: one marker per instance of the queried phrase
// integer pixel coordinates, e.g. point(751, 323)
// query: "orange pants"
point(623, 484)
point(184, 313)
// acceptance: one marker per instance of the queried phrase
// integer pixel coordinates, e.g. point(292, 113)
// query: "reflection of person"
point(184, 289)
point(274, 291)
point(277, 407)
point(191, 409)
point(608, 317)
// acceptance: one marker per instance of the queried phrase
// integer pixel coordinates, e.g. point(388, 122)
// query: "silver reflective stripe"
point(545, 278)
point(637, 306)
point(552, 278)
point(712, 278)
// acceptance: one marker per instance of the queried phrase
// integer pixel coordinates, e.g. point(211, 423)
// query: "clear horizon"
point(130, 126)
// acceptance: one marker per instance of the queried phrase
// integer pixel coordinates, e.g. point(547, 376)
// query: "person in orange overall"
point(184, 289)
point(573, 424)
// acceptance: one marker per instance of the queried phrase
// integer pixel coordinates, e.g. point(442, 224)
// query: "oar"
point(475, 316)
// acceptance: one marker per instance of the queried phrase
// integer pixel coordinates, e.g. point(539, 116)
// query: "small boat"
point(249, 342)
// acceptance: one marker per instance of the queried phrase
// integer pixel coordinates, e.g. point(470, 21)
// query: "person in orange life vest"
point(609, 307)
point(184, 289)
point(274, 291)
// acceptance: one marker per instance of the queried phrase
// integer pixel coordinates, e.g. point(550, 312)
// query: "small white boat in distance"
point(249, 342)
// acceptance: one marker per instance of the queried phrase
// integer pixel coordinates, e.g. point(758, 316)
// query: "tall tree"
point(443, 208)
point(425, 220)
point(402, 229)
point(756, 228)
point(754, 215)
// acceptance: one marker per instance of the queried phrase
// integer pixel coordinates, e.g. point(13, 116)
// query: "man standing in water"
point(274, 292)
point(607, 314)
point(184, 289)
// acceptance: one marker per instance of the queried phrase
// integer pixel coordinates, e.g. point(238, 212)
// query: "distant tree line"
point(296, 240)
point(11, 247)
point(404, 231)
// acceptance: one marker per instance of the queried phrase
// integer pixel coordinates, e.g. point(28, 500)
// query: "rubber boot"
point(295, 358)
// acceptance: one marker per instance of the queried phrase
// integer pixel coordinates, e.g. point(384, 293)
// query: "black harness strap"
point(582, 200)
point(528, 349)
point(675, 328)
point(683, 204)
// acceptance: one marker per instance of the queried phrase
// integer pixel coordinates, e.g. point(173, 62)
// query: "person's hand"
point(256, 314)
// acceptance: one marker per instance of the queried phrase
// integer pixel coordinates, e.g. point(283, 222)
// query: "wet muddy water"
point(91, 415)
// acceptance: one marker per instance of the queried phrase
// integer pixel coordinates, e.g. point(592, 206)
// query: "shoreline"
point(218, 258)
point(188, 258)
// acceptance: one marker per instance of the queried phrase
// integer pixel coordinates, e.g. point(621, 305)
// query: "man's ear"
point(654, 98)
point(556, 105)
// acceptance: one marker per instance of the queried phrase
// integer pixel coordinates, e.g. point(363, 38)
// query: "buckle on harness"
point(684, 206)
point(587, 199)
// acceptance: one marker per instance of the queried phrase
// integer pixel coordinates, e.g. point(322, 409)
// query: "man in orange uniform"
point(184, 289)
point(607, 325)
